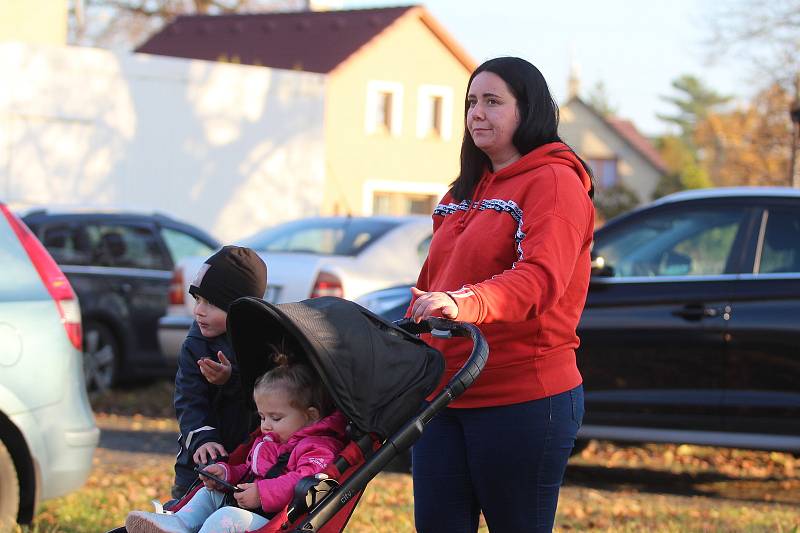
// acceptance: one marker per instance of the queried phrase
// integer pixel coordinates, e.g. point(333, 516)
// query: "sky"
point(635, 48)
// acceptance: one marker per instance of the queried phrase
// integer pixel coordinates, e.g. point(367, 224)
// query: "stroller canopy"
point(377, 373)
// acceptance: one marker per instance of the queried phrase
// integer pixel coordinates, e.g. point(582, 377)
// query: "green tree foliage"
point(685, 169)
point(615, 200)
point(694, 102)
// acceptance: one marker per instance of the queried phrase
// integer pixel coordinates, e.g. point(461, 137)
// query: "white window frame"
point(425, 96)
point(413, 187)
point(375, 89)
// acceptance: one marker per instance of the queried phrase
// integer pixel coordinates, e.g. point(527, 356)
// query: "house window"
point(400, 197)
point(402, 203)
point(384, 114)
point(384, 108)
point(436, 115)
point(605, 171)
point(435, 112)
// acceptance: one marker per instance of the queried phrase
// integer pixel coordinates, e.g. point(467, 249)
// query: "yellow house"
point(34, 21)
point(395, 83)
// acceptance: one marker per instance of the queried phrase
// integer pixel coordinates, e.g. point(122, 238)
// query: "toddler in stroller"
point(301, 434)
point(377, 374)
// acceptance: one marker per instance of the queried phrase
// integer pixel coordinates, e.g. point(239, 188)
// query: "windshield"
point(333, 236)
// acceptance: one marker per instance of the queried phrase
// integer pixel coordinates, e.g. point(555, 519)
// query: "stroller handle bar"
point(443, 328)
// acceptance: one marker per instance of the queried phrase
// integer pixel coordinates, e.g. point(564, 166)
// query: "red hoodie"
point(516, 261)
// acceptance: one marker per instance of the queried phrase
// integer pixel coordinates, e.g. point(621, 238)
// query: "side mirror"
point(601, 268)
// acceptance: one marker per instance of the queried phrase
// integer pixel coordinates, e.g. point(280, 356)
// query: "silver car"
point(47, 429)
point(322, 256)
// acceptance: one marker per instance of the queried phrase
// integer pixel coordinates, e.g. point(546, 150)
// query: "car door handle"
point(125, 288)
point(695, 312)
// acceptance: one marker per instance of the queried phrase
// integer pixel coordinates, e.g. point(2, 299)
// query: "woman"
point(510, 252)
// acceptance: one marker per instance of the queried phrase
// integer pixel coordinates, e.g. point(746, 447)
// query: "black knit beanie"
point(229, 274)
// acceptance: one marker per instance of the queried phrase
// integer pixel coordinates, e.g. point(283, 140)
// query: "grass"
point(609, 488)
point(387, 506)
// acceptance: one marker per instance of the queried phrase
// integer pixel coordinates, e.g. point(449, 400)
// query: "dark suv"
point(691, 331)
point(120, 265)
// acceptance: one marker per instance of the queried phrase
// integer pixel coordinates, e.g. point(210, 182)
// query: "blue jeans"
point(206, 512)
point(507, 462)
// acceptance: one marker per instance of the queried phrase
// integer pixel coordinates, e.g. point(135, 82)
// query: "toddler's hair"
point(299, 380)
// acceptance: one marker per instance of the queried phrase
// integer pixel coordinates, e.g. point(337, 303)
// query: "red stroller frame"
point(342, 497)
point(325, 329)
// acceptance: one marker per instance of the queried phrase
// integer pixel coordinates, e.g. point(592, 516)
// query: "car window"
point(19, 276)
point(780, 251)
point(69, 244)
point(676, 243)
point(182, 245)
point(327, 236)
point(117, 245)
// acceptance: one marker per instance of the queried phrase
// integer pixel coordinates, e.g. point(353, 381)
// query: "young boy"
point(212, 410)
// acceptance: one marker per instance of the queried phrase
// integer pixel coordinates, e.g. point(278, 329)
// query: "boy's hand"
point(216, 373)
point(248, 498)
point(209, 451)
point(216, 470)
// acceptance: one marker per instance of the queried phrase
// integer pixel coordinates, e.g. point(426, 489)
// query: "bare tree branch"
point(766, 32)
point(126, 23)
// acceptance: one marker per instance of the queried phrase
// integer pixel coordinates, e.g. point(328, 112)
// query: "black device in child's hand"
point(227, 486)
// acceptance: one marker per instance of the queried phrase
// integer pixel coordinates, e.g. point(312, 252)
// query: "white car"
point(324, 256)
point(47, 429)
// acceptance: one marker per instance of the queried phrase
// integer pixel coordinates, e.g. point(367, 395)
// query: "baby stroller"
point(378, 374)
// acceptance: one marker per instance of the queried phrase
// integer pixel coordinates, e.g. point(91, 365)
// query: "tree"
point(684, 168)
point(599, 100)
point(747, 146)
point(615, 200)
point(767, 32)
point(126, 23)
point(694, 101)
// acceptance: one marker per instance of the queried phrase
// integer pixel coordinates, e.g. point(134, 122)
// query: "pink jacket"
point(312, 448)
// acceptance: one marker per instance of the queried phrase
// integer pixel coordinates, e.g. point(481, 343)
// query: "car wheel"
point(100, 357)
point(9, 490)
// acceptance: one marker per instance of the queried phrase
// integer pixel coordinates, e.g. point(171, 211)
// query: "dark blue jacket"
point(207, 412)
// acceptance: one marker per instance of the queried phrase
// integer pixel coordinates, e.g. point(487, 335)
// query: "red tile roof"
point(312, 41)
point(627, 130)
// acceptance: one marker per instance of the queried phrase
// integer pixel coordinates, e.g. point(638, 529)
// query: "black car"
point(120, 265)
point(691, 331)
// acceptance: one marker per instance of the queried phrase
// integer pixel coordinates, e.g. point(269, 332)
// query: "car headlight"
point(383, 301)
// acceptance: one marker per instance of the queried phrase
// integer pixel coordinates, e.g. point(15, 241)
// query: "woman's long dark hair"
point(538, 124)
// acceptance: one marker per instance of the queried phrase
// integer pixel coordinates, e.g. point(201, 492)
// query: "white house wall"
point(230, 148)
